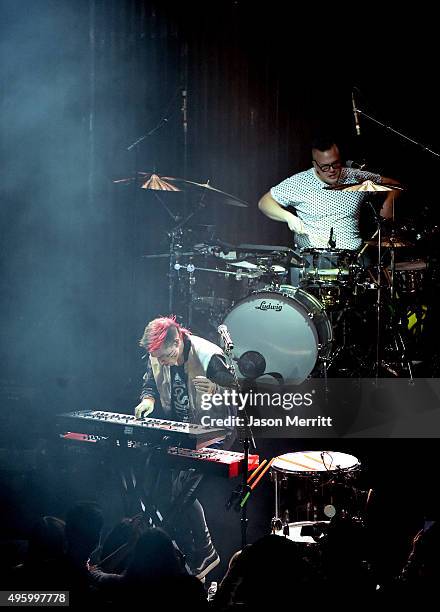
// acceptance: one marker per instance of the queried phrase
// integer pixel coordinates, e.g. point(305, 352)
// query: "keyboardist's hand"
point(145, 408)
point(204, 385)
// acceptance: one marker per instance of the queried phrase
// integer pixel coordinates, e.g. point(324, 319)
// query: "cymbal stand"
point(398, 340)
point(393, 262)
point(379, 222)
point(175, 244)
point(176, 240)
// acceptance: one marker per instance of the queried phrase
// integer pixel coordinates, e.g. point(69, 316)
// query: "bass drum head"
point(278, 337)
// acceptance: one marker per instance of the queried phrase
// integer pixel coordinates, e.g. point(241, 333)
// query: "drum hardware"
point(388, 242)
point(229, 273)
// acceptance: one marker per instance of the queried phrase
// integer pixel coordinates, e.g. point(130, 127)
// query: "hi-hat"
point(368, 186)
point(155, 182)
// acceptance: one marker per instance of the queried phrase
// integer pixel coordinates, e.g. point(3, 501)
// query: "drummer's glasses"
point(336, 165)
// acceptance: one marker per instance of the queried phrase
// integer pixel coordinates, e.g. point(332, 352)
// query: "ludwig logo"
point(269, 306)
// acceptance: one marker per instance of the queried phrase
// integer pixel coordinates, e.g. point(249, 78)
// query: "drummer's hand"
point(145, 408)
point(295, 224)
point(204, 385)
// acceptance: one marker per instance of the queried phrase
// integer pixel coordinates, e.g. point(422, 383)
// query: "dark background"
point(80, 82)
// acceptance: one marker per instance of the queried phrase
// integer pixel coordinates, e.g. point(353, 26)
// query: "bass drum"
point(280, 336)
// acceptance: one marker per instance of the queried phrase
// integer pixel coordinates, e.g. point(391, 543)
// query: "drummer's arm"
point(387, 210)
point(276, 212)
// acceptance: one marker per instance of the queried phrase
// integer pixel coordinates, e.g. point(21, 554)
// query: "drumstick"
point(262, 473)
point(314, 459)
point(364, 248)
point(246, 497)
point(257, 469)
point(308, 467)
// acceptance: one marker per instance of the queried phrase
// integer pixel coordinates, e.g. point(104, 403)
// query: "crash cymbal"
point(156, 182)
point(364, 186)
point(151, 181)
point(388, 241)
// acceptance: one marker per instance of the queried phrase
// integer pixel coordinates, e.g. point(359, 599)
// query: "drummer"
point(323, 218)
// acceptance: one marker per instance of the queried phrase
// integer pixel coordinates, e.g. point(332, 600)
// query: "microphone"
point(356, 115)
point(224, 335)
point(351, 163)
point(331, 242)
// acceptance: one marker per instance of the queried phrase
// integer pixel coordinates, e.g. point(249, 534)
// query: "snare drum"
point(280, 336)
point(315, 485)
point(327, 265)
point(326, 272)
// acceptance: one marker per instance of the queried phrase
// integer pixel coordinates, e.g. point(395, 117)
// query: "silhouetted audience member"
point(117, 549)
point(273, 569)
point(420, 576)
point(345, 566)
point(84, 522)
point(45, 551)
point(156, 571)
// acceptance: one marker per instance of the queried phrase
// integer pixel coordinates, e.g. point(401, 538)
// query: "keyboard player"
point(181, 368)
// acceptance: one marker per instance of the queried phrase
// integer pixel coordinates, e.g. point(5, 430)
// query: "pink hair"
point(157, 332)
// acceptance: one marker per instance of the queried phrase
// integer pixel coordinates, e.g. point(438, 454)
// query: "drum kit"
point(319, 312)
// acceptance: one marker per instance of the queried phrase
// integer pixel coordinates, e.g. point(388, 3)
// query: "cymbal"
point(230, 199)
point(368, 186)
point(155, 182)
point(389, 241)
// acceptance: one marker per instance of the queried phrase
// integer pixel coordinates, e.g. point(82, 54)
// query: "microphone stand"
point(173, 235)
point(390, 129)
point(246, 439)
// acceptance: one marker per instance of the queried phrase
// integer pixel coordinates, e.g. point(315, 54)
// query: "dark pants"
point(173, 493)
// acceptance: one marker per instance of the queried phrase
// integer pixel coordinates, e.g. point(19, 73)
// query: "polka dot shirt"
point(320, 209)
